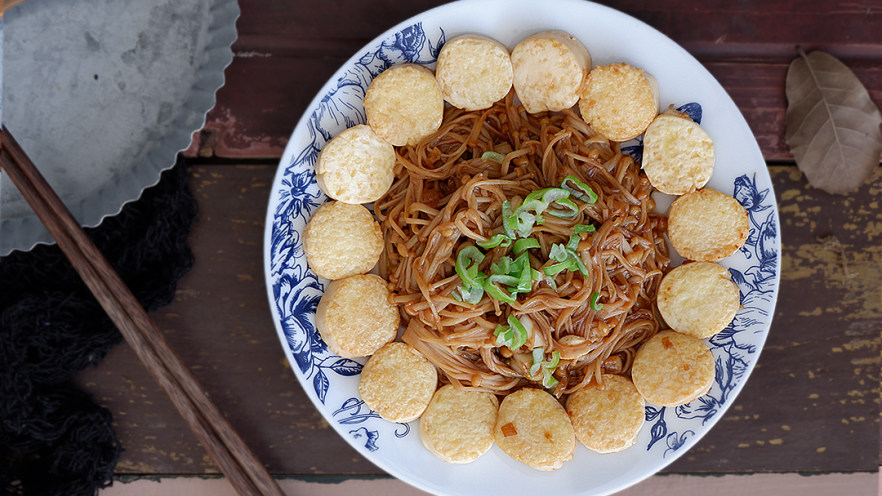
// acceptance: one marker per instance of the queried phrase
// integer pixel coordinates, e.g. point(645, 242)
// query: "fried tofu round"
point(356, 166)
point(342, 240)
point(473, 71)
point(457, 426)
point(672, 369)
point(707, 225)
point(678, 155)
point(398, 382)
point(549, 69)
point(607, 418)
point(404, 104)
point(698, 299)
point(619, 101)
point(355, 317)
point(534, 429)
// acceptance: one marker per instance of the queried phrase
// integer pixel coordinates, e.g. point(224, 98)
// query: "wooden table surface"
point(810, 406)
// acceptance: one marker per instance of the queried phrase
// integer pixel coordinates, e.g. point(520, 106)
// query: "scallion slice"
point(538, 356)
point(498, 239)
point(498, 293)
point(509, 220)
point(514, 335)
point(594, 304)
point(493, 156)
point(558, 252)
point(524, 244)
point(580, 190)
point(570, 209)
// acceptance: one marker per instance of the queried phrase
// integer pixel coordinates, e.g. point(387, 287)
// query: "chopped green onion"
point(509, 220)
point(558, 252)
point(498, 293)
point(583, 228)
point(548, 381)
point(570, 208)
point(504, 279)
point(473, 294)
point(501, 266)
point(534, 199)
point(493, 156)
point(581, 190)
point(472, 288)
point(533, 205)
point(498, 239)
point(525, 281)
point(557, 268)
point(555, 360)
point(580, 265)
point(514, 335)
point(573, 242)
point(524, 244)
point(546, 366)
point(538, 356)
point(525, 221)
point(594, 305)
point(455, 295)
point(568, 260)
point(467, 259)
point(551, 195)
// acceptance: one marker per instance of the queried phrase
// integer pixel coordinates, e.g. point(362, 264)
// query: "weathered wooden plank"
point(286, 52)
point(256, 121)
point(810, 405)
point(853, 484)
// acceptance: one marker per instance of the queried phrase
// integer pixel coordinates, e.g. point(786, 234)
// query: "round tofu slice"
point(473, 71)
point(355, 317)
point(342, 240)
point(619, 101)
point(707, 225)
point(457, 426)
point(678, 155)
point(549, 69)
point(698, 299)
point(397, 382)
point(404, 104)
point(672, 369)
point(534, 429)
point(356, 166)
point(607, 418)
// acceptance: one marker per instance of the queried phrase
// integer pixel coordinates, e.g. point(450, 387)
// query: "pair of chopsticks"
point(237, 462)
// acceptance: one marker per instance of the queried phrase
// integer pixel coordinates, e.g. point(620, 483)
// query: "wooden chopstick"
point(234, 458)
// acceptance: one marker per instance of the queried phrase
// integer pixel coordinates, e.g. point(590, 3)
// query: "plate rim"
point(289, 153)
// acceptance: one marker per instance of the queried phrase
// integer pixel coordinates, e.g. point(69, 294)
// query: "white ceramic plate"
point(294, 291)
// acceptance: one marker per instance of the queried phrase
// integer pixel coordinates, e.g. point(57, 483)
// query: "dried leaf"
point(832, 124)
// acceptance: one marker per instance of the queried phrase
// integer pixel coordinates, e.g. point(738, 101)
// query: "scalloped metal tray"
point(103, 94)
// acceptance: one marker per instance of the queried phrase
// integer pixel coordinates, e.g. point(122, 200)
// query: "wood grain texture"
point(811, 405)
point(286, 51)
point(858, 484)
point(226, 448)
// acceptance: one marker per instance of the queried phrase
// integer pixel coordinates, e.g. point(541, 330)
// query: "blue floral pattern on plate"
point(296, 291)
point(732, 355)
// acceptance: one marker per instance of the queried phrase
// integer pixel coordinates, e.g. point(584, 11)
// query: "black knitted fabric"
point(54, 440)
